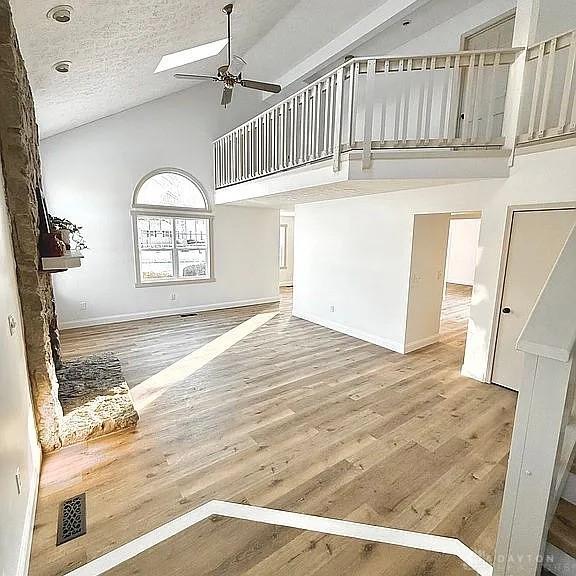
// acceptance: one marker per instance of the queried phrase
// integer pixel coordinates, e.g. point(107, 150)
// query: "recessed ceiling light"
point(62, 67)
point(62, 13)
point(406, 22)
point(191, 55)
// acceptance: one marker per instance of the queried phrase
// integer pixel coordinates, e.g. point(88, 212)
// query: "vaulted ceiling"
point(114, 47)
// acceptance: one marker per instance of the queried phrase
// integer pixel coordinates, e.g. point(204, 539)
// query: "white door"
point(536, 241)
point(497, 35)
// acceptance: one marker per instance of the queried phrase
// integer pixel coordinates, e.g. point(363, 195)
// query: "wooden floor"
point(295, 417)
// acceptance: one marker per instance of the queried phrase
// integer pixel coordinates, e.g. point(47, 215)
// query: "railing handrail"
point(563, 40)
point(361, 59)
point(551, 328)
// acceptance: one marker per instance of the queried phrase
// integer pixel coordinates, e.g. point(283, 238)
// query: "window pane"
point(192, 233)
point(156, 265)
point(154, 232)
point(193, 263)
point(171, 189)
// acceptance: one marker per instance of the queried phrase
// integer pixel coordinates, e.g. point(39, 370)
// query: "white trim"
point(416, 540)
point(26, 543)
point(98, 321)
point(558, 562)
point(286, 284)
point(422, 343)
point(354, 332)
point(569, 492)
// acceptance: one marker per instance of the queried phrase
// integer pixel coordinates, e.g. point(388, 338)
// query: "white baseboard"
point(99, 320)
point(28, 531)
point(569, 492)
point(422, 343)
point(558, 562)
point(360, 334)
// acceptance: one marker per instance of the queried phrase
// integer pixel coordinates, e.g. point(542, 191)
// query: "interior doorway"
point(536, 239)
point(461, 254)
point(286, 249)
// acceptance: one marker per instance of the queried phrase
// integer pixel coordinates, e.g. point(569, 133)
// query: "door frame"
point(504, 255)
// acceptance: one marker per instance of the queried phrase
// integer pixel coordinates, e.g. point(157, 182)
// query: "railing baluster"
point(443, 130)
point(547, 88)
point(293, 142)
point(398, 106)
point(478, 93)
point(407, 100)
point(454, 100)
point(421, 94)
point(568, 86)
point(469, 99)
point(368, 114)
point(536, 92)
point(492, 98)
point(351, 110)
point(429, 98)
point(384, 103)
point(338, 119)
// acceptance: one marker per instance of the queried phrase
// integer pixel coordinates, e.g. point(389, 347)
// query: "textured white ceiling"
point(115, 45)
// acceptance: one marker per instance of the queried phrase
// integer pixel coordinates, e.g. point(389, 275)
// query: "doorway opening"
point(442, 268)
point(461, 255)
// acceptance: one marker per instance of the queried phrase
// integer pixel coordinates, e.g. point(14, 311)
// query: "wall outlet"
point(83, 305)
point(331, 307)
point(18, 481)
point(173, 297)
point(11, 324)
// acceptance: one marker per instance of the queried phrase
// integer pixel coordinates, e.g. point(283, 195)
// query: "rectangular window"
point(283, 235)
point(173, 248)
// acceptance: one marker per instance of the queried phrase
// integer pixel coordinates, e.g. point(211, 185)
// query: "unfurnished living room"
point(287, 288)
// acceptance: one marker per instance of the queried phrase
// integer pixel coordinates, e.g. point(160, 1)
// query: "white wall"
point(462, 249)
point(426, 284)
point(555, 17)
point(365, 274)
point(18, 444)
point(90, 174)
point(287, 274)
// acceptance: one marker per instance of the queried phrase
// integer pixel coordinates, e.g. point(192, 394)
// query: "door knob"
point(506, 310)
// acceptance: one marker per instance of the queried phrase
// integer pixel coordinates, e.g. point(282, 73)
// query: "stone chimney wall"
point(21, 167)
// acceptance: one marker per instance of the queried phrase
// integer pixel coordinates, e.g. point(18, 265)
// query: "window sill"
point(173, 282)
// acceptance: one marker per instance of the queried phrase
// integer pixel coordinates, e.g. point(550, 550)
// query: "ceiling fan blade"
point(226, 96)
point(264, 86)
point(183, 57)
point(196, 77)
point(236, 66)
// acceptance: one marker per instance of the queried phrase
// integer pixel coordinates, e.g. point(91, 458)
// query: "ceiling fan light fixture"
point(61, 14)
point(190, 55)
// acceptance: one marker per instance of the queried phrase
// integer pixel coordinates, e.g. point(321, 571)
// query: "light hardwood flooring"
point(295, 417)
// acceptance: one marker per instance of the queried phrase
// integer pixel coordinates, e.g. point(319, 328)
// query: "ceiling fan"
point(231, 74)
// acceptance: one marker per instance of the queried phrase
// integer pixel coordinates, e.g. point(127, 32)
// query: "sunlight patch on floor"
point(152, 388)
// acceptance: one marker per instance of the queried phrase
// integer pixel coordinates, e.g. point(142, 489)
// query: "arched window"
point(172, 229)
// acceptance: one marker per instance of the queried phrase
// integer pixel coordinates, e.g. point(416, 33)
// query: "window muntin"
point(175, 245)
point(171, 189)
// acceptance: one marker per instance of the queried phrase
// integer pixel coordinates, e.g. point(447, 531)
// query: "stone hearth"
point(95, 398)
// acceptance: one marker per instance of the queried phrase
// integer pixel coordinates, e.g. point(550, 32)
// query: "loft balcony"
point(392, 123)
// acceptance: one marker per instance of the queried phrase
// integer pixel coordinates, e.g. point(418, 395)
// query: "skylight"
point(183, 57)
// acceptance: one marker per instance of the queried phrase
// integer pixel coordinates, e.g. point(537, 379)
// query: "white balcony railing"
point(549, 101)
point(443, 100)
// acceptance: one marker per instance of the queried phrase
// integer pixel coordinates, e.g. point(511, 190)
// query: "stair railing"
point(544, 437)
